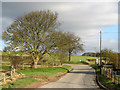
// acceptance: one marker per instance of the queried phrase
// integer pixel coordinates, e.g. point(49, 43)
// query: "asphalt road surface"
point(82, 76)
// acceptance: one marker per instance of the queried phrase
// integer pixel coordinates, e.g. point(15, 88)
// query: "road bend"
point(82, 76)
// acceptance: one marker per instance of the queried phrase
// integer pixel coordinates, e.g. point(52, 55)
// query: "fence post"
point(109, 72)
point(111, 75)
point(118, 80)
point(11, 72)
point(23, 66)
point(14, 70)
point(105, 72)
point(102, 70)
point(114, 76)
point(3, 75)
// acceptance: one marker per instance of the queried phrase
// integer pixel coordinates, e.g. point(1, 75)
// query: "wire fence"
point(111, 74)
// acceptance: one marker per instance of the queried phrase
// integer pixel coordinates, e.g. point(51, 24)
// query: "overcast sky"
point(84, 19)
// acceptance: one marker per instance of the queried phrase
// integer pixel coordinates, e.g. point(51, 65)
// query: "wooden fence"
point(4, 77)
point(113, 75)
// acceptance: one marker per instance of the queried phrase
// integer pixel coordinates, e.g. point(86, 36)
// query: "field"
point(83, 58)
point(42, 73)
point(74, 60)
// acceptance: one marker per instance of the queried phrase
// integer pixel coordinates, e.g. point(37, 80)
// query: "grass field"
point(42, 73)
point(74, 60)
point(38, 75)
point(83, 58)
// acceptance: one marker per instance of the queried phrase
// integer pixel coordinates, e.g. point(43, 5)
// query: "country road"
point(82, 76)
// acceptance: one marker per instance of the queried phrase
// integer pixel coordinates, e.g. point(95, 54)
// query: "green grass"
point(105, 80)
point(67, 67)
point(83, 58)
point(71, 62)
point(5, 67)
point(45, 71)
point(21, 83)
point(76, 60)
point(39, 74)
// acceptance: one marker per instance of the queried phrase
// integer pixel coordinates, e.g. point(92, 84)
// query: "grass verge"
point(21, 83)
point(37, 75)
point(105, 80)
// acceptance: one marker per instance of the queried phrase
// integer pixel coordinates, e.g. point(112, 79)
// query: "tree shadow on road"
point(82, 72)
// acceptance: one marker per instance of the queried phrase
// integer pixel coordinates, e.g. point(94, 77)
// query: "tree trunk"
point(34, 64)
point(69, 56)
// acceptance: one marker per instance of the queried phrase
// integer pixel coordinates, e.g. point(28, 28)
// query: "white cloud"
point(6, 21)
point(82, 18)
point(60, 0)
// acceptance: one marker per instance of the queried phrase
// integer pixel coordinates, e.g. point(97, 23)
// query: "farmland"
point(74, 59)
point(44, 72)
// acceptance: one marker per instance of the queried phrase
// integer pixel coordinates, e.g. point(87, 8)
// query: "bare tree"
point(74, 44)
point(67, 43)
point(30, 33)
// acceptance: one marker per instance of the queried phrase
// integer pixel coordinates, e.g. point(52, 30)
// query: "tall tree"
point(67, 43)
point(111, 56)
point(31, 32)
point(74, 44)
point(106, 53)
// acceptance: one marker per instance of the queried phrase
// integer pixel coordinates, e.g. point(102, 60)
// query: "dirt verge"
point(49, 79)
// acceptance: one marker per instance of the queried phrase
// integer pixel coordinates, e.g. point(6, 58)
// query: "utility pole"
point(100, 51)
